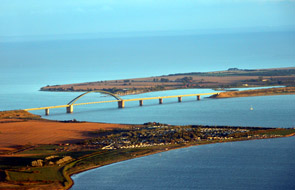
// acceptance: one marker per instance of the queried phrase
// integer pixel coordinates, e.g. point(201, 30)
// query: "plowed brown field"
point(47, 132)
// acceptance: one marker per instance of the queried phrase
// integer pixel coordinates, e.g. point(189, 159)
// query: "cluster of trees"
point(161, 80)
point(185, 79)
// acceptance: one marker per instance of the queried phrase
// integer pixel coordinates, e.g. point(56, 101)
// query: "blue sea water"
point(27, 66)
point(69, 61)
point(258, 164)
point(271, 111)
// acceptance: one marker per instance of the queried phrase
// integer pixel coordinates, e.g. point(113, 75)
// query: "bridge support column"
point(198, 97)
point(179, 99)
point(161, 101)
point(140, 102)
point(46, 111)
point(121, 104)
point(70, 109)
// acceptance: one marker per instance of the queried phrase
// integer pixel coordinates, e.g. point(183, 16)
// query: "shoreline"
point(70, 181)
point(271, 91)
point(95, 167)
point(89, 154)
point(231, 78)
point(256, 92)
point(157, 152)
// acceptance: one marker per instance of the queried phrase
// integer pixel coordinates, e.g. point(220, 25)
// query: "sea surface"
point(257, 164)
point(69, 61)
point(27, 66)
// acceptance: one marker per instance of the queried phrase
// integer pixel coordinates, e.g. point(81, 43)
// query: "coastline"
point(257, 92)
point(95, 167)
point(231, 78)
point(87, 153)
point(185, 146)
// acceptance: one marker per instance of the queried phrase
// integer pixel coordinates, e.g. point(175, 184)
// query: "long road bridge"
point(121, 102)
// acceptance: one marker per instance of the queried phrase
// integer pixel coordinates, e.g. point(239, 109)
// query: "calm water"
point(270, 111)
point(27, 66)
point(56, 62)
point(258, 164)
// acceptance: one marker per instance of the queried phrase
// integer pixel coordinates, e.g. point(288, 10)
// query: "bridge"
point(121, 102)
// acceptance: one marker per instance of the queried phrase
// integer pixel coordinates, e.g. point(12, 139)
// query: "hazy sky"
point(54, 17)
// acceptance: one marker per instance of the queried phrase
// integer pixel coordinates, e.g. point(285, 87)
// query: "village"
point(155, 134)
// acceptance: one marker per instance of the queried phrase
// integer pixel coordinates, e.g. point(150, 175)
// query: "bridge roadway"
point(121, 102)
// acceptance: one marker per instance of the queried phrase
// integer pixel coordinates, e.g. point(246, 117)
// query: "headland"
point(256, 92)
point(41, 154)
point(231, 78)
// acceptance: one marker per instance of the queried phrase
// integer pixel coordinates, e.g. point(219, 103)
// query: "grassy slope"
point(18, 115)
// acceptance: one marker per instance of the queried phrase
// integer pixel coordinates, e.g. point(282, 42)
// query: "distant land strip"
point(257, 92)
point(231, 78)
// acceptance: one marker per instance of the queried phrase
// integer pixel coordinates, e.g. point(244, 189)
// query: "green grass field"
point(51, 173)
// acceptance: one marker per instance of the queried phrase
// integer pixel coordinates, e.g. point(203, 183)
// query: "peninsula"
point(257, 92)
point(231, 78)
point(45, 156)
point(51, 151)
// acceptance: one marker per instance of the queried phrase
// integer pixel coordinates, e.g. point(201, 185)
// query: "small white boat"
point(251, 108)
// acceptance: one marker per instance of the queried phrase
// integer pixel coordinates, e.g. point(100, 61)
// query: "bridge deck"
point(125, 100)
point(48, 107)
point(174, 96)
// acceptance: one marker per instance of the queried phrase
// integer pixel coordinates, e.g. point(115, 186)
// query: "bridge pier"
point(46, 111)
point(121, 104)
point(140, 102)
point(70, 109)
point(161, 101)
point(179, 99)
point(198, 97)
